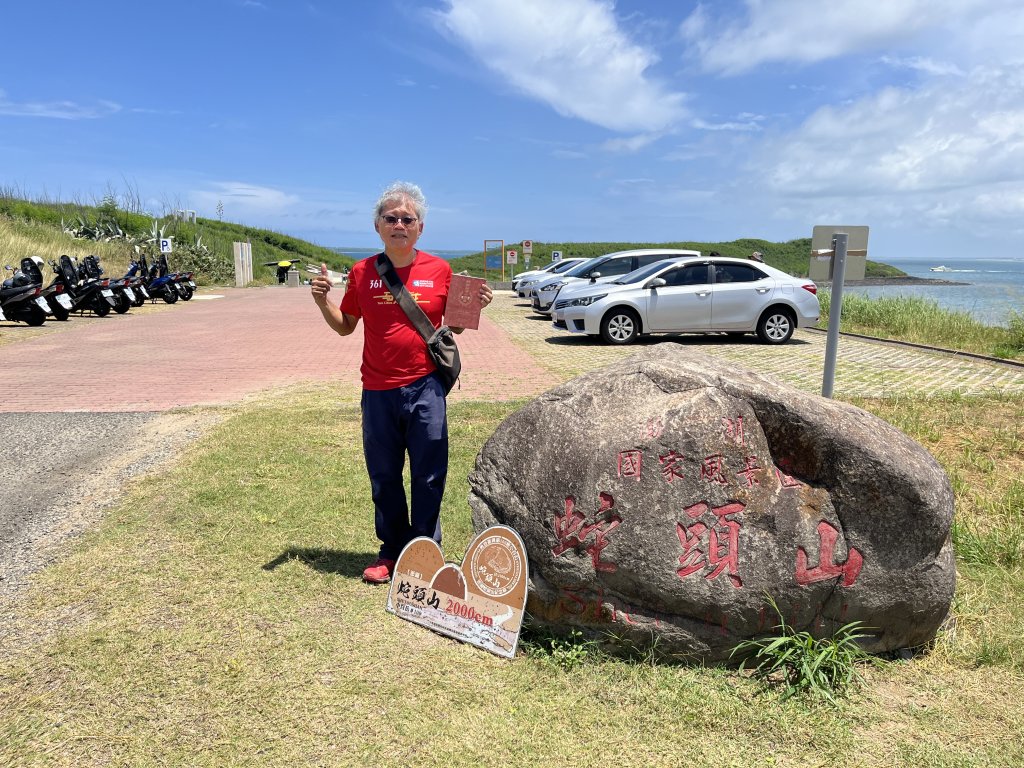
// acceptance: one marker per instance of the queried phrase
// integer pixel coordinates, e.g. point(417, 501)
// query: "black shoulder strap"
point(412, 310)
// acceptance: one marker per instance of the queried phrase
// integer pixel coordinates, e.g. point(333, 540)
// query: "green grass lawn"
point(217, 618)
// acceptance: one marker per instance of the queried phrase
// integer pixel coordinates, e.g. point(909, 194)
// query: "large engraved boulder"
point(664, 499)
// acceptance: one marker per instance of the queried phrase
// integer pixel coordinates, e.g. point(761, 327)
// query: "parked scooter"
point(101, 298)
point(137, 280)
point(159, 286)
point(58, 301)
point(21, 298)
point(79, 295)
point(182, 281)
point(123, 294)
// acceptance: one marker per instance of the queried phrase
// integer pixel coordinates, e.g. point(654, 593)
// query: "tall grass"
point(34, 227)
point(20, 238)
point(923, 321)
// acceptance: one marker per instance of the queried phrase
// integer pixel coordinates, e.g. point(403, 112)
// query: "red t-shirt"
point(394, 353)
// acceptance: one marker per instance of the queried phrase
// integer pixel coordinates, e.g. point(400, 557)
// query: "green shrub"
point(803, 664)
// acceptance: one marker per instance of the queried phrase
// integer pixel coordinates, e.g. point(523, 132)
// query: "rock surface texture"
point(663, 499)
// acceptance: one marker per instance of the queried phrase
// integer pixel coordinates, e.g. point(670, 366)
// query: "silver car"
point(734, 296)
point(523, 283)
point(599, 270)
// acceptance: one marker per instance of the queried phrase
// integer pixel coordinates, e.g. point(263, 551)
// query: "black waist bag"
point(441, 346)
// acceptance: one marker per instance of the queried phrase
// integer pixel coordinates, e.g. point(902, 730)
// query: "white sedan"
point(698, 295)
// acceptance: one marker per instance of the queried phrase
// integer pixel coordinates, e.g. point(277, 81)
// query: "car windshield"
point(583, 266)
point(641, 274)
point(563, 266)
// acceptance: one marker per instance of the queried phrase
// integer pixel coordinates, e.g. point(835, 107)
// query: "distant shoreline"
point(907, 280)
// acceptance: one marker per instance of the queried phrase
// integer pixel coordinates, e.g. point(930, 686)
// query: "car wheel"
point(776, 326)
point(620, 326)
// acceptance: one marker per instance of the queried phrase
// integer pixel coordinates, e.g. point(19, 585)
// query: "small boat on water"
point(940, 268)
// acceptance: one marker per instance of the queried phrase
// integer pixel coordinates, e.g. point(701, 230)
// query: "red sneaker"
point(379, 571)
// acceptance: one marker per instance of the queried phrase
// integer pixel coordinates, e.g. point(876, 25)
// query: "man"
point(403, 403)
point(757, 256)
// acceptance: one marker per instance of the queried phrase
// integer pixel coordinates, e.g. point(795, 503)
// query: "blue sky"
point(551, 120)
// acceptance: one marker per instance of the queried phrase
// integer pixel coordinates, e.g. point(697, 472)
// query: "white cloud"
point(571, 55)
point(243, 199)
point(950, 150)
point(630, 144)
point(923, 64)
point(747, 124)
point(808, 31)
point(60, 110)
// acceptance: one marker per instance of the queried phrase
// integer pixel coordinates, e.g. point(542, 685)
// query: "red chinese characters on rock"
point(573, 529)
point(749, 471)
point(827, 567)
point(672, 466)
point(653, 429)
point(712, 469)
point(782, 472)
point(631, 463)
point(714, 546)
point(733, 429)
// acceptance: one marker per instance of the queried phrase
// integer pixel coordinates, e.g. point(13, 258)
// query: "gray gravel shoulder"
point(62, 470)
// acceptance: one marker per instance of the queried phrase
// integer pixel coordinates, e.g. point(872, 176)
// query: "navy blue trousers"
point(412, 419)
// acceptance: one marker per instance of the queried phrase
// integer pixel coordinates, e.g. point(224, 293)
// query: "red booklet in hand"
point(463, 308)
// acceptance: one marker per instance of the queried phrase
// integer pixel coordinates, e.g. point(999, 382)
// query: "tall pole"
point(839, 244)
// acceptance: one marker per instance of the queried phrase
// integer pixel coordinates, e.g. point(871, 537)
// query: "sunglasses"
point(406, 220)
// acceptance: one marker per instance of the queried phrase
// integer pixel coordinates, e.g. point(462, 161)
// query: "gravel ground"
point(61, 470)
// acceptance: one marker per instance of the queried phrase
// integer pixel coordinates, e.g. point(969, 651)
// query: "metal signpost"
point(835, 254)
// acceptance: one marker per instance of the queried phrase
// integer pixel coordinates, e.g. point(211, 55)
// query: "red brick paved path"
point(217, 351)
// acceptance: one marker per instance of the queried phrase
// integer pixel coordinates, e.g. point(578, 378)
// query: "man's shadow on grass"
point(349, 564)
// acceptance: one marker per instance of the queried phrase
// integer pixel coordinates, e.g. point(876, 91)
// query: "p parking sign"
point(165, 244)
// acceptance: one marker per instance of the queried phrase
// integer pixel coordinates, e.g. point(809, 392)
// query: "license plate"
point(2, 315)
point(145, 293)
point(64, 300)
point(107, 292)
point(41, 303)
point(130, 294)
point(191, 284)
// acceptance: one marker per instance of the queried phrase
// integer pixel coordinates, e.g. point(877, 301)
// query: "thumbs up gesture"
point(321, 285)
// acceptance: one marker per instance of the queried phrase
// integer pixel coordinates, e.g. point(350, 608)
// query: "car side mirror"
point(594, 276)
point(655, 283)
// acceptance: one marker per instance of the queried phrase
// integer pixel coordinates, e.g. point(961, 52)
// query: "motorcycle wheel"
point(170, 295)
point(186, 293)
point(36, 316)
point(123, 305)
point(59, 313)
point(139, 299)
point(100, 307)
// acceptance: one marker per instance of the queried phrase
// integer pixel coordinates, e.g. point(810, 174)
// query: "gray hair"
point(401, 191)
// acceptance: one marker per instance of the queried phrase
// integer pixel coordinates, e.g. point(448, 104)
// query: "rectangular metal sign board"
point(480, 602)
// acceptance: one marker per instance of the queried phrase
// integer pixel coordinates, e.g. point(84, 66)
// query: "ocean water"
point(992, 288)
point(362, 253)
